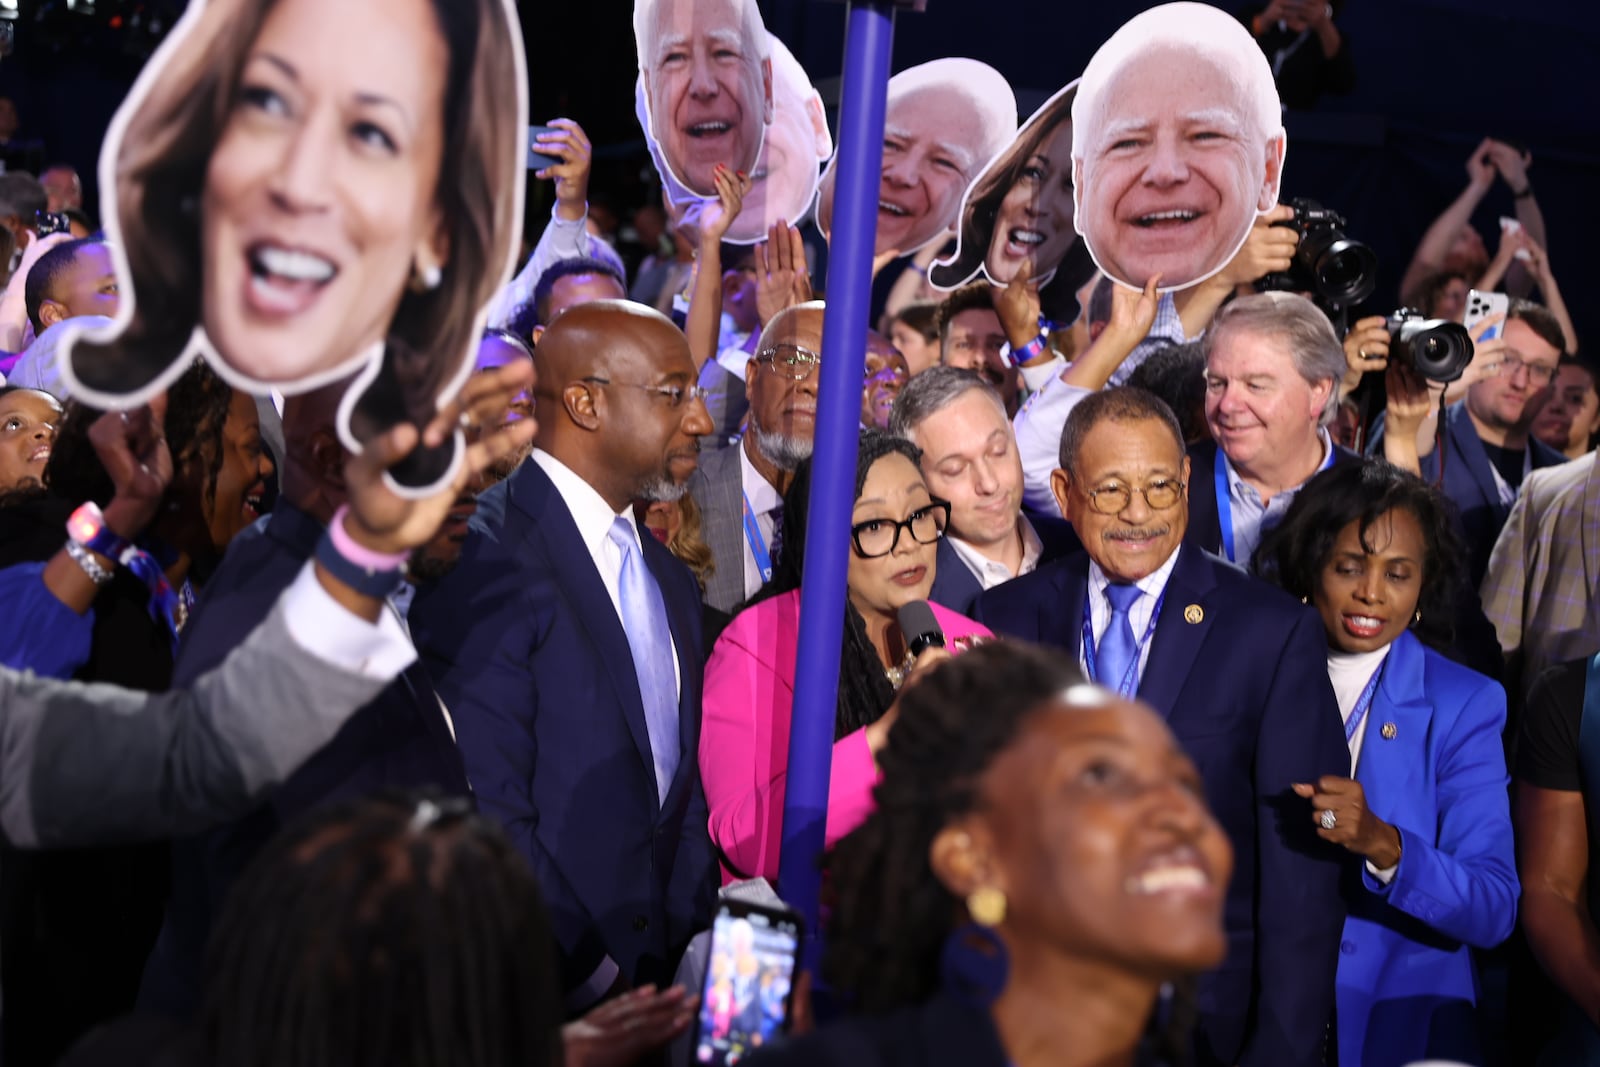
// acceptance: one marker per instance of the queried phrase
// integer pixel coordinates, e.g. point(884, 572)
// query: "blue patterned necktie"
point(644, 620)
point(1117, 649)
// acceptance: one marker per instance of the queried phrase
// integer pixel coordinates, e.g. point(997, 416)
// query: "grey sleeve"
point(84, 764)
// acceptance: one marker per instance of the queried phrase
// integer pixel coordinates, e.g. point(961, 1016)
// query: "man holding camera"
point(1486, 449)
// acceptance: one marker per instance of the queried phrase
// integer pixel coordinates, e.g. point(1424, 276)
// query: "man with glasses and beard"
point(740, 490)
point(569, 650)
point(1239, 671)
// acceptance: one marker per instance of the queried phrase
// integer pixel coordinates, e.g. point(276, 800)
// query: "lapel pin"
point(1193, 613)
point(1390, 731)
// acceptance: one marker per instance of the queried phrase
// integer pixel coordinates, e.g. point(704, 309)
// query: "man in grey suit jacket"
point(86, 764)
point(740, 490)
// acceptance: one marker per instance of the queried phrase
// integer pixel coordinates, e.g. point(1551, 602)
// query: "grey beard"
point(663, 490)
point(786, 453)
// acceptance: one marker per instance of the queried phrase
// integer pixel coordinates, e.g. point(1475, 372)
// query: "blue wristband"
point(1030, 351)
point(364, 580)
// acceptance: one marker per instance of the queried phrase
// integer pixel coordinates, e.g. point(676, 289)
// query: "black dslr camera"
point(1337, 271)
point(1437, 349)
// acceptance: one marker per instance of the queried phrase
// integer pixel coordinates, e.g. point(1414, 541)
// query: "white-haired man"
point(1177, 145)
point(1273, 365)
point(943, 121)
point(707, 82)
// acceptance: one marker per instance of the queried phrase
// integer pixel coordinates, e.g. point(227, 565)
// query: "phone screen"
point(744, 1001)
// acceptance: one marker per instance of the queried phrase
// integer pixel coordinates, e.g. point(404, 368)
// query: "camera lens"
point(1346, 272)
point(1436, 349)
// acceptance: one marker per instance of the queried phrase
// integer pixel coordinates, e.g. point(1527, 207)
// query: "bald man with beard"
point(569, 649)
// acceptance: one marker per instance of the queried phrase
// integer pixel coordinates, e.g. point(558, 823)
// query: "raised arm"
point(1436, 240)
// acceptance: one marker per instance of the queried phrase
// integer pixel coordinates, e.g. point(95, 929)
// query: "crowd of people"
point(1259, 731)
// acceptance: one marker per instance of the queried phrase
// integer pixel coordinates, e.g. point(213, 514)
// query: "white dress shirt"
point(328, 630)
point(991, 572)
point(1152, 585)
point(1350, 672)
point(593, 517)
point(763, 498)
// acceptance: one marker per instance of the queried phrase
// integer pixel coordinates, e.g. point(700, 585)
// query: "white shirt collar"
point(1151, 584)
point(590, 512)
point(991, 573)
point(1239, 488)
point(761, 493)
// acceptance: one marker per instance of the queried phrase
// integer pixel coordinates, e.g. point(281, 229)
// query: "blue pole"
point(868, 36)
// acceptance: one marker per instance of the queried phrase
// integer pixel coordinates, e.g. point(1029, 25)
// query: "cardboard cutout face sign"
point(1019, 211)
point(297, 211)
point(707, 83)
point(1177, 145)
point(945, 120)
point(783, 184)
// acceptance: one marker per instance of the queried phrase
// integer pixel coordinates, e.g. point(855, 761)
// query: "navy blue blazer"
point(528, 651)
point(1406, 986)
point(399, 741)
point(956, 587)
point(1469, 482)
point(1205, 525)
point(1240, 672)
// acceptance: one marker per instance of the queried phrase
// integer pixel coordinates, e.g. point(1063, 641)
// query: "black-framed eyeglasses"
point(794, 362)
point(1160, 495)
point(878, 537)
point(676, 395)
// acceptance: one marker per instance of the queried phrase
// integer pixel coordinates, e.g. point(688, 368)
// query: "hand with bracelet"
point(132, 447)
point(378, 529)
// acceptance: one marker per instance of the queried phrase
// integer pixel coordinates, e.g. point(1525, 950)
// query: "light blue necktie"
point(644, 620)
point(1117, 649)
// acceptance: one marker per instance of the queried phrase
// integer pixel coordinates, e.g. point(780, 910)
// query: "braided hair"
point(385, 932)
point(891, 915)
point(864, 690)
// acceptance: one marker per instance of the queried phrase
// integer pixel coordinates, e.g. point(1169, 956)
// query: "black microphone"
point(920, 627)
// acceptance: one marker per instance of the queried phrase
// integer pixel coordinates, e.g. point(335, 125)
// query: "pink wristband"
point(357, 554)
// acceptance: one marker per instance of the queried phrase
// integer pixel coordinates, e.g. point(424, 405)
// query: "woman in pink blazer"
point(749, 689)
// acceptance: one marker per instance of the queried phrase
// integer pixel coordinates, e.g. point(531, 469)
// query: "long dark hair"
point(387, 932)
point(1294, 554)
point(1058, 298)
point(864, 690)
point(166, 147)
point(891, 915)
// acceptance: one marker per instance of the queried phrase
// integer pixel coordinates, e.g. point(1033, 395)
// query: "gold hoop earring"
point(987, 906)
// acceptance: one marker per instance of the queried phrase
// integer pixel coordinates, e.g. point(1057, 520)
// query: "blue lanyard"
point(1363, 705)
point(1129, 684)
point(1225, 498)
point(758, 544)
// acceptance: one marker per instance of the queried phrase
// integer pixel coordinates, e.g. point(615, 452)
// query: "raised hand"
point(718, 216)
point(1366, 348)
point(1511, 164)
point(1266, 250)
point(1018, 306)
point(386, 522)
point(569, 143)
point(782, 277)
point(1480, 165)
point(132, 447)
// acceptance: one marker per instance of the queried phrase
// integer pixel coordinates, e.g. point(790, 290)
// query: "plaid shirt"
point(1542, 589)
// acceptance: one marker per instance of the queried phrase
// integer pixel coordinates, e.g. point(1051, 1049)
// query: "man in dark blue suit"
point(1239, 670)
point(401, 740)
point(569, 650)
point(1488, 447)
point(1273, 365)
point(970, 458)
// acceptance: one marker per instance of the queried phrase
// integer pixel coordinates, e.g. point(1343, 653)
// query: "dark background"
point(1434, 78)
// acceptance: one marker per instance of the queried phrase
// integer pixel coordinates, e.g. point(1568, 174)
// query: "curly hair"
point(1294, 554)
point(891, 914)
point(197, 411)
point(387, 931)
point(864, 690)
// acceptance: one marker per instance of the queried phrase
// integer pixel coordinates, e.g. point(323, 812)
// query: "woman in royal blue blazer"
point(1425, 811)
